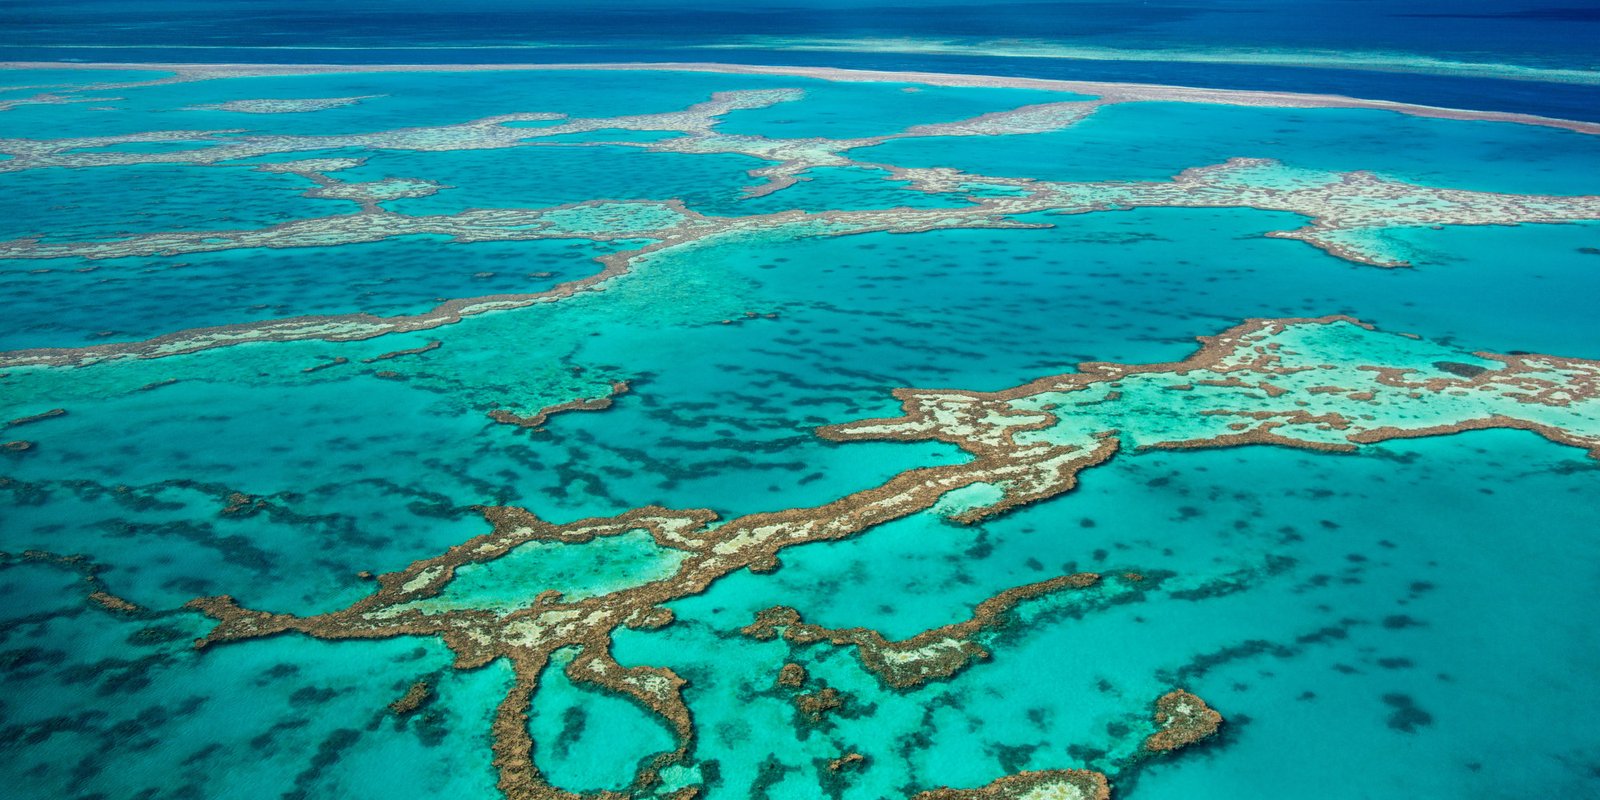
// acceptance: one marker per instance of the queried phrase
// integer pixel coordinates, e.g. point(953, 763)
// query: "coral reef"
point(282, 105)
point(416, 695)
point(1021, 442)
point(1348, 212)
point(536, 421)
point(791, 676)
point(1054, 784)
point(1182, 719)
point(935, 654)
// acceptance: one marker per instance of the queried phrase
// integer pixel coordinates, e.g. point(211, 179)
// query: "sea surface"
point(1406, 619)
point(1522, 55)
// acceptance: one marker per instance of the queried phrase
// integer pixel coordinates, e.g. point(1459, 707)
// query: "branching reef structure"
point(1325, 384)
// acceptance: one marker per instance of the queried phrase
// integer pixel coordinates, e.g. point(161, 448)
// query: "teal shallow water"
point(72, 205)
point(1139, 141)
point(1374, 567)
point(137, 297)
point(537, 177)
point(846, 110)
point(1404, 612)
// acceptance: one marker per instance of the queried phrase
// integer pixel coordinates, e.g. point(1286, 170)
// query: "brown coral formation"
point(846, 761)
point(39, 417)
point(327, 364)
point(1523, 389)
point(1056, 784)
point(791, 676)
point(537, 420)
point(815, 705)
point(1182, 719)
point(416, 695)
point(154, 385)
point(1013, 458)
point(240, 504)
point(111, 602)
point(529, 637)
point(430, 346)
point(935, 654)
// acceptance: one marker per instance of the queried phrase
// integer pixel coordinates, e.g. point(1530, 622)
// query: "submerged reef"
point(283, 105)
point(89, 573)
point(1302, 383)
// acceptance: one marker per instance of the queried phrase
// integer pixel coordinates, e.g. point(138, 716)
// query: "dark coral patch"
point(1405, 715)
point(1458, 368)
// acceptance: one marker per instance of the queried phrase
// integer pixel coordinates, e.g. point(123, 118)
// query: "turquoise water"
point(1137, 141)
point(848, 110)
point(75, 204)
point(139, 297)
point(1315, 539)
point(1406, 610)
point(536, 177)
point(851, 188)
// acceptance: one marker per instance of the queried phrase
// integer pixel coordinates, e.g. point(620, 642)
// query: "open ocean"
point(1405, 49)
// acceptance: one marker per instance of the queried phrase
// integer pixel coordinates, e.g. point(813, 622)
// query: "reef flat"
point(301, 425)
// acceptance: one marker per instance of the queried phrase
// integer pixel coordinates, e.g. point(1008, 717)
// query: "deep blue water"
point(1497, 34)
